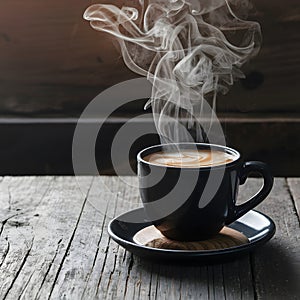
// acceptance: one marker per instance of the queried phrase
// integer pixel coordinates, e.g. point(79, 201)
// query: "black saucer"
point(257, 227)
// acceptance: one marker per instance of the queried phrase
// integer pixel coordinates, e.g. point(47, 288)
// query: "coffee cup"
point(189, 190)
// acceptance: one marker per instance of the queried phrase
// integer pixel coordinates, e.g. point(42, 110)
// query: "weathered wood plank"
point(98, 267)
point(276, 265)
point(143, 279)
point(90, 240)
point(237, 278)
point(93, 263)
point(16, 197)
point(57, 246)
point(294, 187)
point(40, 234)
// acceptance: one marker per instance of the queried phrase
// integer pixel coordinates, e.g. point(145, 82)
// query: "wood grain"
point(52, 62)
point(294, 188)
point(39, 234)
point(276, 265)
point(54, 245)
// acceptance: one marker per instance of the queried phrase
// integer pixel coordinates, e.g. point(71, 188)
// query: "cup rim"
point(235, 152)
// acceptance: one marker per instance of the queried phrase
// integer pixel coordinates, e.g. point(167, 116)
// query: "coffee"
point(186, 201)
point(190, 158)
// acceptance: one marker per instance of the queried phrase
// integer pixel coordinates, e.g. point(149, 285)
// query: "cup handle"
point(263, 170)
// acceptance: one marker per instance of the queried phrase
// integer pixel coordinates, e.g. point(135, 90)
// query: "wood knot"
point(16, 223)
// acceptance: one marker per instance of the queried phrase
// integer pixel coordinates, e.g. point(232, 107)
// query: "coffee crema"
point(190, 158)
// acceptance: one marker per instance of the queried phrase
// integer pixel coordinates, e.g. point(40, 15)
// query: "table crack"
point(252, 269)
point(70, 241)
point(96, 254)
point(293, 199)
point(107, 246)
point(112, 272)
point(19, 270)
point(48, 269)
point(128, 273)
point(25, 286)
point(5, 254)
point(223, 281)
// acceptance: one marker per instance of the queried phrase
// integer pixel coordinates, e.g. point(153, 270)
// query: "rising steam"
point(189, 49)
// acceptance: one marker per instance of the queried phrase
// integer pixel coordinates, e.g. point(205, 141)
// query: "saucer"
point(249, 231)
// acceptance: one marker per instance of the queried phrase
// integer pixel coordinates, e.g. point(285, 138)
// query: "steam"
point(190, 50)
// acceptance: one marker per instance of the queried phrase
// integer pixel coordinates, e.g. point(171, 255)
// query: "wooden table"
point(54, 244)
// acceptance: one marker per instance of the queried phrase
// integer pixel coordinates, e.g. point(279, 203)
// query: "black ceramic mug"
point(195, 203)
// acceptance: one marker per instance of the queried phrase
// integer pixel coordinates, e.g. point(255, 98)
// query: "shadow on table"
point(276, 269)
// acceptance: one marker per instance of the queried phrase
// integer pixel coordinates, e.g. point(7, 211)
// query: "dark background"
point(53, 64)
